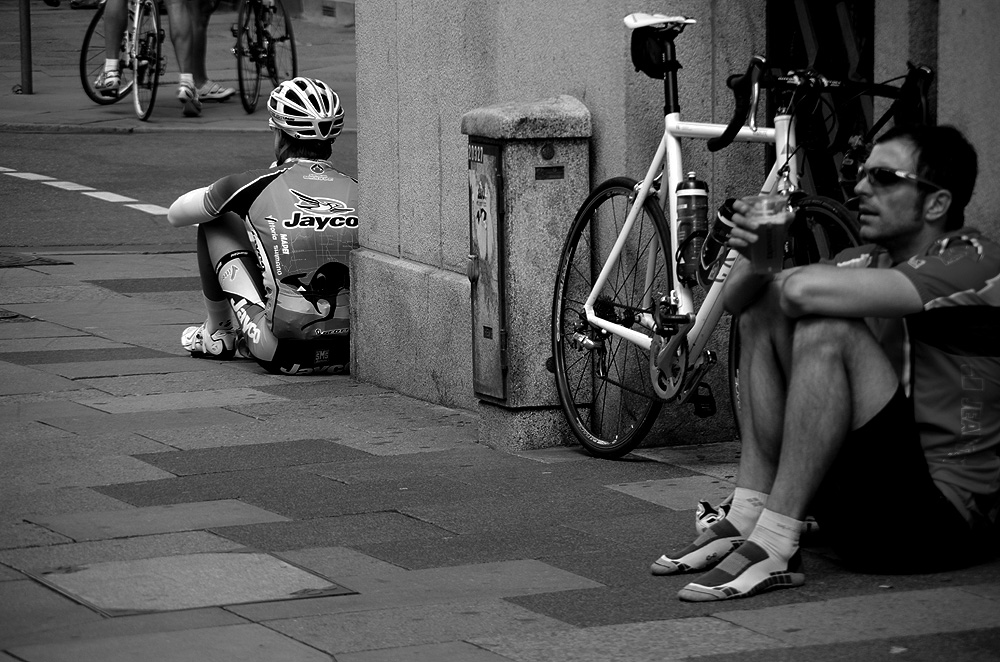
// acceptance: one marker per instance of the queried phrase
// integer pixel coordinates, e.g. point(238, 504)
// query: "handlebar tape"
point(742, 87)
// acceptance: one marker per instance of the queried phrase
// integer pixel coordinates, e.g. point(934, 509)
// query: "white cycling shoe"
point(219, 345)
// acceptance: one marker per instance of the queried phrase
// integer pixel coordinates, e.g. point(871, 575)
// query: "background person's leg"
point(183, 16)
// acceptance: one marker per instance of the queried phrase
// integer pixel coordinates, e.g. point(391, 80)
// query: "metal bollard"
point(26, 85)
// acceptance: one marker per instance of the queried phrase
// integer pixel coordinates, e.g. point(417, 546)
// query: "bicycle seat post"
point(671, 103)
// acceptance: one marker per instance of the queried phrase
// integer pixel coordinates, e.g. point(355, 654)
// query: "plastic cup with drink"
point(767, 254)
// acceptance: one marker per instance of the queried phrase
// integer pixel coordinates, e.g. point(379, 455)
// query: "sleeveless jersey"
point(302, 221)
point(949, 360)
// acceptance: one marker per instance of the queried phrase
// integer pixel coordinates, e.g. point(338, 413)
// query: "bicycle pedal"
point(703, 401)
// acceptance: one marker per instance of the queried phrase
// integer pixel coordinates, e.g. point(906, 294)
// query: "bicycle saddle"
point(642, 19)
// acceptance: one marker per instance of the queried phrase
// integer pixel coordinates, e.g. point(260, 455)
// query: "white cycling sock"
point(187, 78)
point(777, 534)
point(747, 507)
point(220, 316)
point(111, 65)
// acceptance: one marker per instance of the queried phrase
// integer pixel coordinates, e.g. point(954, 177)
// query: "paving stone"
point(81, 471)
point(18, 506)
point(36, 411)
point(9, 574)
point(406, 441)
point(338, 563)
point(636, 642)
point(187, 581)
point(38, 330)
point(19, 379)
point(244, 431)
point(678, 493)
point(411, 626)
point(284, 490)
point(118, 368)
point(27, 606)
point(991, 591)
point(181, 382)
point(170, 621)
point(453, 651)
point(878, 616)
point(325, 386)
point(556, 454)
point(64, 344)
point(484, 547)
point(157, 519)
point(185, 400)
point(26, 534)
point(238, 458)
point(141, 285)
point(53, 294)
point(28, 450)
point(357, 531)
point(247, 643)
point(720, 460)
point(126, 353)
point(142, 421)
point(40, 559)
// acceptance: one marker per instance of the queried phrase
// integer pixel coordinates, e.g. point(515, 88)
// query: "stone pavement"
point(157, 507)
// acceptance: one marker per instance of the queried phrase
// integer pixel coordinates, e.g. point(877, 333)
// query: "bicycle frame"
point(668, 159)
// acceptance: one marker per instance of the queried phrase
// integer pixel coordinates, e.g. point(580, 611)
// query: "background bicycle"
point(617, 363)
point(141, 58)
point(265, 48)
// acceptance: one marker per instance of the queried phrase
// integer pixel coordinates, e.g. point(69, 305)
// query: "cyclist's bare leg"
point(115, 20)
point(188, 33)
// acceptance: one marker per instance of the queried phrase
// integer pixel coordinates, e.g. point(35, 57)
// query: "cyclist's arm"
point(822, 289)
point(190, 209)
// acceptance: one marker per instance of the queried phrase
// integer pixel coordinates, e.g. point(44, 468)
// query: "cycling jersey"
point(302, 220)
point(949, 360)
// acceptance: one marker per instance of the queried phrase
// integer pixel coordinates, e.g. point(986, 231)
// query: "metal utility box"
point(528, 171)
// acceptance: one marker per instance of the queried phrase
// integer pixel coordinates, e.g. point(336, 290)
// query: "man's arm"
point(189, 209)
point(821, 289)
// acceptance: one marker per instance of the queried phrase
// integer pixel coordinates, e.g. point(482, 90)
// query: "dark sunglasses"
point(883, 177)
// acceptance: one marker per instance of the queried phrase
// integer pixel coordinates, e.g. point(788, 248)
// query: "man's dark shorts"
point(878, 507)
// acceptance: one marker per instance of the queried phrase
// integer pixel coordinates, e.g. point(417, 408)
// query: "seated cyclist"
point(273, 244)
point(872, 380)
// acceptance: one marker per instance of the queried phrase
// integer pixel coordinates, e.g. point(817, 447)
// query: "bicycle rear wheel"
point(147, 59)
point(92, 55)
point(248, 54)
point(822, 228)
point(282, 60)
point(603, 381)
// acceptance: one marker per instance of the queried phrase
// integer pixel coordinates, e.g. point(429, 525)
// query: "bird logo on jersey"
point(322, 213)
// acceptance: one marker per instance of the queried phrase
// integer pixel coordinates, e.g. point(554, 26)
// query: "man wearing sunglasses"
point(871, 382)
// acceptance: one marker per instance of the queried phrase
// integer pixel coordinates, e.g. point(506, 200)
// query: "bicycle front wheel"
point(603, 381)
point(92, 56)
point(248, 54)
point(282, 59)
point(147, 57)
point(822, 228)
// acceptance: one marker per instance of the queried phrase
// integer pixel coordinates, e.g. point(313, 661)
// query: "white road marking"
point(155, 210)
point(70, 186)
point(107, 196)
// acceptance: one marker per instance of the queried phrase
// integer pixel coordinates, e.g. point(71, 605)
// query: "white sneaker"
point(220, 345)
point(212, 91)
point(188, 96)
point(108, 83)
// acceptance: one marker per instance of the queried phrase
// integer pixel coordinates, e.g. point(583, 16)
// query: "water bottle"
point(715, 243)
point(692, 225)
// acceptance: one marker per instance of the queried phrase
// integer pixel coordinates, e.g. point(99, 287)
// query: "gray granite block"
point(171, 621)
point(27, 606)
point(452, 651)
point(157, 519)
point(246, 643)
point(118, 368)
point(324, 386)
point(142, 421)
point(29, 449)
point(19, 506)
point(19, 379)
point(191, 399)
point(183, 382)
point(891, 613)
point(636, 642)
point(80, 471)
point(257, 456)
point(124, 353)
point(338, 563)
point(64, 344)
point(678, 493)
point(38, 329)
point(26, 534)
point(121, 549)
point(188, 581)
point(720, 460)
point(375, 530)
point(414, 625)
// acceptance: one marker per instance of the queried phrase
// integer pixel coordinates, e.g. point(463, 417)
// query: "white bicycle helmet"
point(306, 108)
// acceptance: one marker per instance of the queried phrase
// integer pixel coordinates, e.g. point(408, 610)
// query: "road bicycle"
point(141, 60)
point(265, 48)
point(627, 335)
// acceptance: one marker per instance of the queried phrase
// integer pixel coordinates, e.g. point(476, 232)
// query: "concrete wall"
point(423, 63)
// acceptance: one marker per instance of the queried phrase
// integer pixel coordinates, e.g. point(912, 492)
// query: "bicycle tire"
point(282, 61)
point(609, 413)
point(247, 51)
point(92, 56)
point(822, 228)
point(147, 57)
